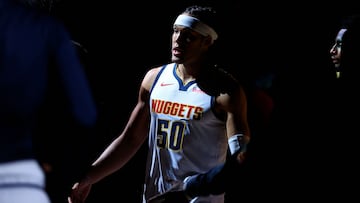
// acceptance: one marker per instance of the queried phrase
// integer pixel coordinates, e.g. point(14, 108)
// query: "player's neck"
point(186, 73)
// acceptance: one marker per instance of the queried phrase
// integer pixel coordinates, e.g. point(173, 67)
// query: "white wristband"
point(236, 143)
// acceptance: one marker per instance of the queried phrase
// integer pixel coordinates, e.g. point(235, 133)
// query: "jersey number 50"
point(170, 134)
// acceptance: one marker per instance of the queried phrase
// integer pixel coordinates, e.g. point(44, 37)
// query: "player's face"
point(187, 45)
point(335, 50)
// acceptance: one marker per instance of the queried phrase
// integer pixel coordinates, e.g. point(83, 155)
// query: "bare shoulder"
point(233, 98)
point(149, 77)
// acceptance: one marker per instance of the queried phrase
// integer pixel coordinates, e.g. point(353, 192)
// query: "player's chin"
point(176, 59)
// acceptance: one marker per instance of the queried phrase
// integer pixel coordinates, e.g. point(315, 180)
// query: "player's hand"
point(79, 193)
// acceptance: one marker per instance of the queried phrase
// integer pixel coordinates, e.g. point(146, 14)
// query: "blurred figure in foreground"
point(35, 50)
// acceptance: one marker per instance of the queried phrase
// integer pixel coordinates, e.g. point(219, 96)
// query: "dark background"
point(292, 39)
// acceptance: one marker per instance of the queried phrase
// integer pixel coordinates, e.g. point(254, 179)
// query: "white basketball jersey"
point(185, 137)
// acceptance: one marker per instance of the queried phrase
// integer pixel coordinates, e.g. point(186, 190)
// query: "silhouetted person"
point(35, 50)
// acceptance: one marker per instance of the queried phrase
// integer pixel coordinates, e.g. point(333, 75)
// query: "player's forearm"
point(115, 156)
point(124, 147)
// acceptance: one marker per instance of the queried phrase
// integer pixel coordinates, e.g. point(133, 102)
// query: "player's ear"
point(208, 41)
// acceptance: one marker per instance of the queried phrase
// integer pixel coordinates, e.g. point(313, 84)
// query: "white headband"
point(196, 25)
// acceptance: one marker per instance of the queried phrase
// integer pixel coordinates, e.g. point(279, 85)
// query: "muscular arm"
point(125, 146)
point(237, 122)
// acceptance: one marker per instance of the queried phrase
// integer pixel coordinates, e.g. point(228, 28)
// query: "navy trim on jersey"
point(157, 77)
point(182, 87)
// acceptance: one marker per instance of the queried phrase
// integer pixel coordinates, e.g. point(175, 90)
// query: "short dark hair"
point(205, 14)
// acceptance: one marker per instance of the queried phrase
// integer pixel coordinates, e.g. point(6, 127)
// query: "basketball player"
point(189, 111)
